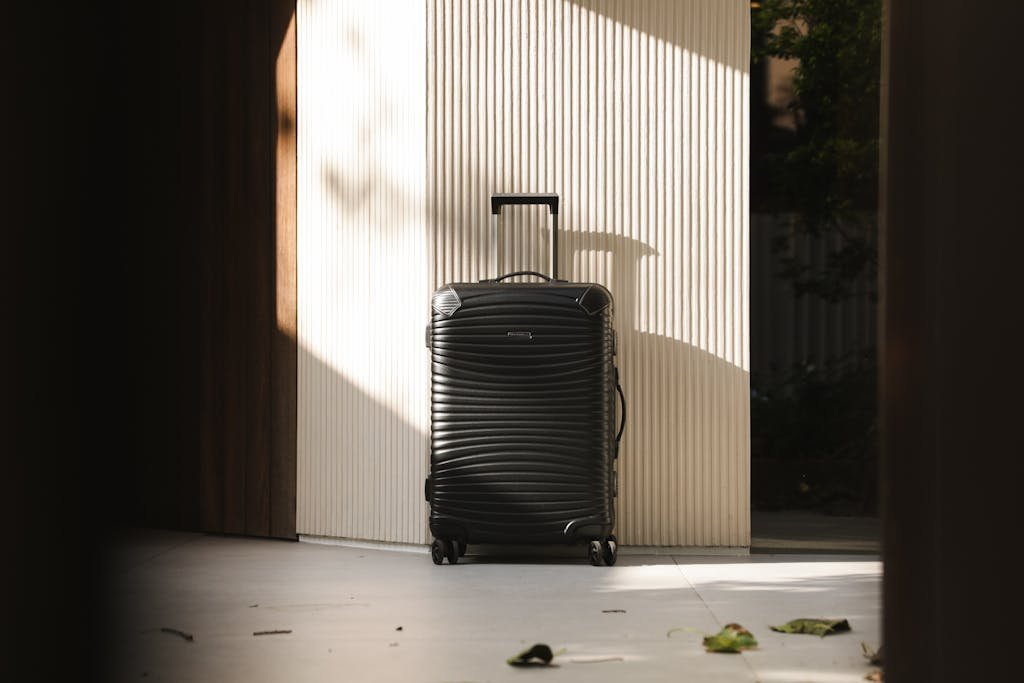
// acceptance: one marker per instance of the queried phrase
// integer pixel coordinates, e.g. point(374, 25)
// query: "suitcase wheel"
point(443, 548)
point(603, 552)
point(610, 552)
point(451, 551)
point(437, 551)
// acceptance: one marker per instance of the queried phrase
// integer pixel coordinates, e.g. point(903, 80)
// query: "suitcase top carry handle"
point(548, 199)
point(521, 272)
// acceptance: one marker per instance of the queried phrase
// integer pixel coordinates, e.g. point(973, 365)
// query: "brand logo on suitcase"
point(520, 334)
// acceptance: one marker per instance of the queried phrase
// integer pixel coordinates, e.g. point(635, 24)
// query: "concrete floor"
point(345, 606)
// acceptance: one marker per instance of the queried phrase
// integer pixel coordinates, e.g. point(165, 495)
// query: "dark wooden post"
point(950, 339)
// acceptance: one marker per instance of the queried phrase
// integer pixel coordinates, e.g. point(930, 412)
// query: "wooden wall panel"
point(284, 350)
point(214, 441)
point(260, 268)
point(247, 341)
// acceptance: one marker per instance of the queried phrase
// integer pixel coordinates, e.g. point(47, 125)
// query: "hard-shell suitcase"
point(523, 436)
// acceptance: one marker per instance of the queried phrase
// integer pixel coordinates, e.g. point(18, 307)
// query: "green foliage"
point(732, 638)
point(814, 437)
point(814, 430)
point(815, 411)
point(815, 627)
point(824, 176)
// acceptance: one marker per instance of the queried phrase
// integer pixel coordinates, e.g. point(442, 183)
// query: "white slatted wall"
point(636, 114)
point(362, 271)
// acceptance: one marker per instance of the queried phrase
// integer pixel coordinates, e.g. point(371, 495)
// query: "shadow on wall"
point(355, 194)
point(681, 417)
point(685, 443)
point(373, 129)
point(657, 25)
point(361, 463)
point(680, 414)
point(686, 438)
point(367, 482)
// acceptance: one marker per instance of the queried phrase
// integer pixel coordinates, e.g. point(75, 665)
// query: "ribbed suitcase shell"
point(522, 413)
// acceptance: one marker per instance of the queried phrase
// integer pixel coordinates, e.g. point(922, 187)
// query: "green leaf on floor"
point(732, 638)
point(816, 627)
point(538, 655)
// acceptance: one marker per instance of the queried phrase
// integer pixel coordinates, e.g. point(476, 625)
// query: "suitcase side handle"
point(622, 418)
point(550, 199)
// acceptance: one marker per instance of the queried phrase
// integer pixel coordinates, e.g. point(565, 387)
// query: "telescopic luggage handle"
point(548, 199)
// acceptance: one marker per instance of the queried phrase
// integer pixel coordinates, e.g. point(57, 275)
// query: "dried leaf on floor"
point(538, 655)
point(875, 675)
point(180, 634)
point(873, 657)
point(732, 638)
point(816, 627)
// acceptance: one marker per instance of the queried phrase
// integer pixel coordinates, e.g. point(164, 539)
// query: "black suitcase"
point(523, 436)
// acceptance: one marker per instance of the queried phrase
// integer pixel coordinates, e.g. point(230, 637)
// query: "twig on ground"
point(176, 632)
point(599, 660)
